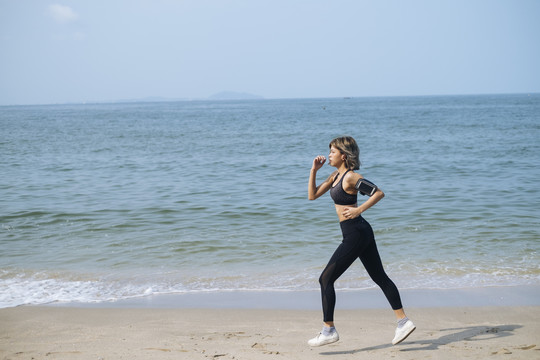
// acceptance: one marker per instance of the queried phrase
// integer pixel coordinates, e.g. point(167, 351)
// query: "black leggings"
point(358, 242)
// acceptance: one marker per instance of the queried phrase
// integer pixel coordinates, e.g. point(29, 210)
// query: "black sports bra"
point(340, 196)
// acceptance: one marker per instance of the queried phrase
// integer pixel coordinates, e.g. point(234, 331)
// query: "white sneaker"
point(403, 332)
point(321, 339)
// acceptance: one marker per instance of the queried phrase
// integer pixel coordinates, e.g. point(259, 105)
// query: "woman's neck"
point(342, 169)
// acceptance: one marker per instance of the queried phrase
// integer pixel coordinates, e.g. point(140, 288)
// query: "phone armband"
point(366, 187)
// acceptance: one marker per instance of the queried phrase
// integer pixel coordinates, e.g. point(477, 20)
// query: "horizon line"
point(160, 99)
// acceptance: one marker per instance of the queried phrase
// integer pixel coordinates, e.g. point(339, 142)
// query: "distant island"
point(231, 95)
point(224, 95)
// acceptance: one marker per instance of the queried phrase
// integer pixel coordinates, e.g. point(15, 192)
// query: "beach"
point(183, 230)
point(475, 323)
point(39, 332)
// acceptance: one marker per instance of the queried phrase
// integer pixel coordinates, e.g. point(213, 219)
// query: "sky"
point(62, 51)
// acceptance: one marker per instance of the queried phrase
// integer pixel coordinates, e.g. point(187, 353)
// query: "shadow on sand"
point(449, 336)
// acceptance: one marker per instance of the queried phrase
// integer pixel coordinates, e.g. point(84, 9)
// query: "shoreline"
point(310, 300)
point(476, 323)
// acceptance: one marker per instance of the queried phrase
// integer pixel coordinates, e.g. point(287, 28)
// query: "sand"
point(45, 332)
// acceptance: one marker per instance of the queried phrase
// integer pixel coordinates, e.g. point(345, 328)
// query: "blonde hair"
point(347, 146)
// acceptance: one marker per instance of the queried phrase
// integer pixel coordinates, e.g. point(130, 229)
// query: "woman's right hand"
point(318, 162)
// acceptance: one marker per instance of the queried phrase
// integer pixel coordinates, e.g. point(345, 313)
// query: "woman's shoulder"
point(352, 176)
point(350, 179)
point(333, 175)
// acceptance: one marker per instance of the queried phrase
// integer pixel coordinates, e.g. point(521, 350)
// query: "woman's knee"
point(327, 275)
point(324, 280)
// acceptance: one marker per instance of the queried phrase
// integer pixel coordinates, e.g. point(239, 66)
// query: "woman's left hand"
point(351, 213)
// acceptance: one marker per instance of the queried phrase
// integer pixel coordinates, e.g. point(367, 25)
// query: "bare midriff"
point(341, 208)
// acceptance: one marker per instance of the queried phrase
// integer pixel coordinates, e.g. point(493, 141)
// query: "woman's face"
point(335, 157)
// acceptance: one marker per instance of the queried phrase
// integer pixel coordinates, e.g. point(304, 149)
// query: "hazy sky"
point(91, 50)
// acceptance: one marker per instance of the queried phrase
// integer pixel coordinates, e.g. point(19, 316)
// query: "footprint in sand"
point(502, 351)
point(262, 347)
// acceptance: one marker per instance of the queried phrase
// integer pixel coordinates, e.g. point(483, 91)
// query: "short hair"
point(347, 146)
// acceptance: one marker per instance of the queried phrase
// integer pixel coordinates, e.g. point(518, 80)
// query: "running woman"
point(358, 239)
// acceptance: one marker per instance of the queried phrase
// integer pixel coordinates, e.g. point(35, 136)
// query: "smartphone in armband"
point(366, 187)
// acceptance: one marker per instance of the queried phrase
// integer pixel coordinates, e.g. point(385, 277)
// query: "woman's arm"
point(373, 199)
point(315, 191)
point(352, 212)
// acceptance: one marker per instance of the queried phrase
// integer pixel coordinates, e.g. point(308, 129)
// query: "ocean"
point(106, 202)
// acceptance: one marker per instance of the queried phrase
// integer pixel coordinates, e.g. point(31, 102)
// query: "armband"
point(366, 187)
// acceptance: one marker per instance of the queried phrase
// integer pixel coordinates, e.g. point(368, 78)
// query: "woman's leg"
point(341, 260)
point(372, 262)
point(360, 243)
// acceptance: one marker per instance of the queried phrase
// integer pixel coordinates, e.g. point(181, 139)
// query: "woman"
point(358, 239)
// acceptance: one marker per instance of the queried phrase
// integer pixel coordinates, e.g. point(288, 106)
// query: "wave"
point(46, 287)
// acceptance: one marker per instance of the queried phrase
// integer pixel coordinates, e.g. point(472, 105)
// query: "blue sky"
point(77, 51)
